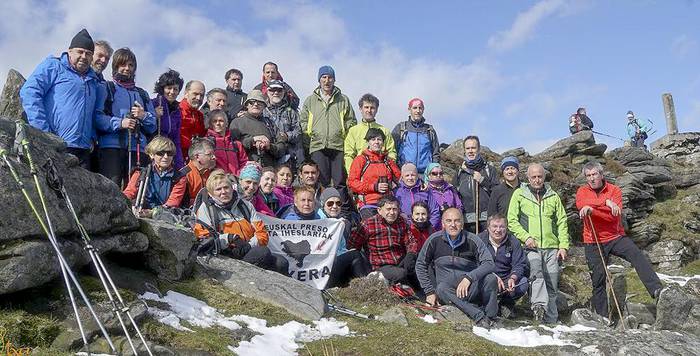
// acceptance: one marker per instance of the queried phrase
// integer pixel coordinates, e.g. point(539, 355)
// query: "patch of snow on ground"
point(528, 336)
point(276, 340)
point(680, 280)
point(429, 319)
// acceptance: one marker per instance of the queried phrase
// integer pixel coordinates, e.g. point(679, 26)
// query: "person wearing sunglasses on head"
point(164, 186)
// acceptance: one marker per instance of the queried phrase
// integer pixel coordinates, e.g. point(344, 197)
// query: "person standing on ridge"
point(416, 141)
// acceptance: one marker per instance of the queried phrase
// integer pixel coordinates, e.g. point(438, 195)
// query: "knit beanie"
point(429, 168)
point(374, 132)
point(325, 70)
point(510, 161)
point(251, 171)
point(328, 193)
point(82, 40)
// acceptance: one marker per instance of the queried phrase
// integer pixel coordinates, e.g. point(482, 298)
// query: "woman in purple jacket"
point(167, 108)
point(444, 194)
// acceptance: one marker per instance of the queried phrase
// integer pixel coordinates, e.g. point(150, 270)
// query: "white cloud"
point(536, 104)
point(299, 37)
point(683, 46)
point(525, 24)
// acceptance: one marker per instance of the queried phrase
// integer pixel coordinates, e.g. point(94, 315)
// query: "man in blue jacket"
point(416, 141)
point(62, 96)
point(510, 264)
point(463, 270)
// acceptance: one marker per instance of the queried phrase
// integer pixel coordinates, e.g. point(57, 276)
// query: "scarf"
point(422, 225)
point(476, 164)
point(124, 81)
point(303, 216)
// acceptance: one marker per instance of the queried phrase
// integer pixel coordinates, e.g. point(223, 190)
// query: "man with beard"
point(235, 96)
point(61, 96)
point(103, 52)
point(475, 179)
point(500, 197)
point(286, 119)
point(271, 73)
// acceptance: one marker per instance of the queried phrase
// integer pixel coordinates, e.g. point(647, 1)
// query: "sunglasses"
point(256, 103)
point(331, 203)
point(163, 153)
point(436, 173)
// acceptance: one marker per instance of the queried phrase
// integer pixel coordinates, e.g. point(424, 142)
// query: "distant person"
point(235, 226)
point(602, 202)
point(286, 119)
point(61, 97)
point(373, 174)
point(235, 95)
point(416, 141)
point(536, 216)
point(463, 271)
point(510, 263)
point(580, 121)
point(101, 57)
point(270, 73)
point(128, 120)
point(325, 119)
point(637, 130)
point(229, 152)
point(192, 119)
point(388, 240)
point(475, 179)
point(167, 108)
point(501, 194)
point(355, 140)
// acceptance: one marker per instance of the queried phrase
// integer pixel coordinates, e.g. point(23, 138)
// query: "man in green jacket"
point(536, 216)
point(325, 119)
point(355, 141)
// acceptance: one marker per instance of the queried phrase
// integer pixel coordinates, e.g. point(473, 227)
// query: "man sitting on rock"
point(536, 216)
point(602, 203)
point(510, 263)
point(463, 270)
point(230, 225)
point(388, 240)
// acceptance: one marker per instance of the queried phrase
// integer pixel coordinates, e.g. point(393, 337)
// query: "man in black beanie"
point(62, 96)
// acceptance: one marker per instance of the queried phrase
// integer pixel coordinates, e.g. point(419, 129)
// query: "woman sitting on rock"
point(163, 186)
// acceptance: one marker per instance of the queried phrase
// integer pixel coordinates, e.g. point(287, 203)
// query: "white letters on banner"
point(309, 246)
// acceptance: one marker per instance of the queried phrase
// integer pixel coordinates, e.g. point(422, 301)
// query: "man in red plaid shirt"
point(389, 242)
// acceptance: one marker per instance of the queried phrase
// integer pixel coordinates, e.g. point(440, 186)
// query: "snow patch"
point(680, 280)
point(276, 340)
point(528, 336)
point(429, 319)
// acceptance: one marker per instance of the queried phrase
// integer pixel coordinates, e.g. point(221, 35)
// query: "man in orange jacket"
point(602, 202)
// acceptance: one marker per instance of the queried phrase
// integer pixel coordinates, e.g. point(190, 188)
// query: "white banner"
point(309, 246)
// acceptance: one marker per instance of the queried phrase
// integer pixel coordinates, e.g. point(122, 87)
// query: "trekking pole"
point(606, 135)
point(142, 191)
point(607, 274)
point(55, 182)
point(65, 270)
point(476, 206)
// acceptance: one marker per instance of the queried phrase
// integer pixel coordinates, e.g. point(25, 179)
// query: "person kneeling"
point(464, 271)
point(162, 185)
point(510, 263)
point(389, 242)
point(229, 224)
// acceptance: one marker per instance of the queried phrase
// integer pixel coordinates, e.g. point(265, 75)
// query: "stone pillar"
point(670, 111)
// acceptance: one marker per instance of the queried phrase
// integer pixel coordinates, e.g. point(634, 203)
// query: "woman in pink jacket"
point(230, 154)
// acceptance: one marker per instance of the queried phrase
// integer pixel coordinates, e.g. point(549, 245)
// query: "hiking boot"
point(538, 313)
point(506, 311)
point(485, 323)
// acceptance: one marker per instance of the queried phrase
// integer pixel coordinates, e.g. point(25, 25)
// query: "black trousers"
point(83, 155)
point(625, 248)
point(331, 166)
point(114, 164)
point(351, 264)
point(262, 257)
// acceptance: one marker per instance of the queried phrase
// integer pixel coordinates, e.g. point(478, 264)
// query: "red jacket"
point(421, 235)
point(364, 184)
point(607, 226)
point(386, 243)
point(230, 154)
point(192, 125)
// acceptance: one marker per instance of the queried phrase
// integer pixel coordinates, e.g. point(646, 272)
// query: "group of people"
point(638, 130)
point(480, 241)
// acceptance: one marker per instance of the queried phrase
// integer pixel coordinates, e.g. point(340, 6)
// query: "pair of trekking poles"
point(55, 182)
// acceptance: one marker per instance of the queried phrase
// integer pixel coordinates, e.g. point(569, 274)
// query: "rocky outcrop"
point(668, 255)
point(299, 299)
point(10, 103)
point(673, 309)
point(169, 249)
point(579, 144)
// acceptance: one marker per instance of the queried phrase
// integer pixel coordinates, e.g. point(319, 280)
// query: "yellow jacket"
point(355, 141)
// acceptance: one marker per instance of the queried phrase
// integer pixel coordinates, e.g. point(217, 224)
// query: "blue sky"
point(509, 71)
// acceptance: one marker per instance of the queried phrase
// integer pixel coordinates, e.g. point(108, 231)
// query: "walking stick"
point(476, 206)
point(607, 274)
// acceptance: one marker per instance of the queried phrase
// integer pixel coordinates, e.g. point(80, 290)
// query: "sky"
point(510, 72)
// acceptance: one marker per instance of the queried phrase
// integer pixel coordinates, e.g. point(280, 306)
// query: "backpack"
point(369, 161)
point(403, 132)
point(211, 210)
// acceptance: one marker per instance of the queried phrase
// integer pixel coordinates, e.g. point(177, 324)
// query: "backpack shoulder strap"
point(144, 96)
point(402, 130)
point(368, 161)
point(109, 100)
point(243, 209)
